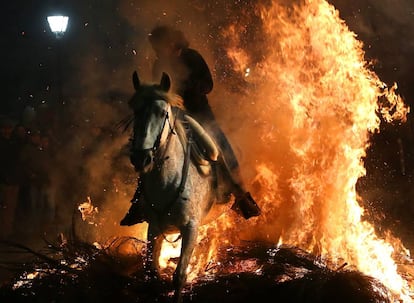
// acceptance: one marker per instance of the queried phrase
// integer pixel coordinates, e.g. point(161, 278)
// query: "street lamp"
point(58, 25)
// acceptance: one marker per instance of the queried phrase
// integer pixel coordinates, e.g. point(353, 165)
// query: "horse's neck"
point(162, 183)
point(180, 129)
point(170, 157)
point(177, 145)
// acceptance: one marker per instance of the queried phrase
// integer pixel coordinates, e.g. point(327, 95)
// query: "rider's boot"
point(244, 203)
point(135, 213)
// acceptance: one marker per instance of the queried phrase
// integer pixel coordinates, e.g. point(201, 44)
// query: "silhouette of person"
point(9, 178)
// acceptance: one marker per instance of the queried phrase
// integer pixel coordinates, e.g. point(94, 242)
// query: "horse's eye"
point(162, 112)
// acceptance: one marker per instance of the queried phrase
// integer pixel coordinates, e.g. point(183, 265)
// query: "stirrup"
point(246, 206)
point(134, 215)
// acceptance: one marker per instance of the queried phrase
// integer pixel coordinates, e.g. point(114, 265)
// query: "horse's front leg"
point(189, 240)
point(153, 251)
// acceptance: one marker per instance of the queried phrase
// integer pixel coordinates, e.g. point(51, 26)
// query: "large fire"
point(304, 124)
point(311, 106)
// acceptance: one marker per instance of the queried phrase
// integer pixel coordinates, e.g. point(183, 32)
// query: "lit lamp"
point(58, 25)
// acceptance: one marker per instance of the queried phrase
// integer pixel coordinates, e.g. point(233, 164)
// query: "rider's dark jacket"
point(192, 80)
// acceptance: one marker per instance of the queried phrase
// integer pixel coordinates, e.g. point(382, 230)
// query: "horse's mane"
point(173, 99)
point(149, 92)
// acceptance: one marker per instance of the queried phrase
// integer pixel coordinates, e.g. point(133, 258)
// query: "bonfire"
point(309, 108)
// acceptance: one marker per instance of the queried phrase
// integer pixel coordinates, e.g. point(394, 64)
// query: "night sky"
point(100, 32)
point(30, 50)
point(387, 30)
point(106, 41)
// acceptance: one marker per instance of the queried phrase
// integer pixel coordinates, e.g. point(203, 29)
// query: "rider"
point(193, 81)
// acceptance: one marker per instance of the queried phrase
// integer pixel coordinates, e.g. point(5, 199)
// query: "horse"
point(177, 177)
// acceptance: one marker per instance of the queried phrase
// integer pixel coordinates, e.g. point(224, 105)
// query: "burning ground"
point(301, 104)
point(76, 271)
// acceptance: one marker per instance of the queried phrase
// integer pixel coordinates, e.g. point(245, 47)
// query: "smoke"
point(111, 42)
point(92, 162)
point(386, 27)
point(114, 44)
point(292, 92)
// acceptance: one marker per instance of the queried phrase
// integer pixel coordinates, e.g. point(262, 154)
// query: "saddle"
point(204, 150)
point(206, 155)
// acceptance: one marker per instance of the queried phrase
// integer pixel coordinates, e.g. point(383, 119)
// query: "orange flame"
point(316, 104)
point(205, 253)
point(312, 104)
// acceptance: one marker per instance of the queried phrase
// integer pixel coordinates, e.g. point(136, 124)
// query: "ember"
point(88, 211)
point(253, 271)
point(309, 103)
point(317, 102)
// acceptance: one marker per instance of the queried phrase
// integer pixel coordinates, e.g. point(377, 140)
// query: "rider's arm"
point(199, 80)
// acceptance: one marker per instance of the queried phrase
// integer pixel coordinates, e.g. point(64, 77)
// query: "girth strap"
point(186, 163)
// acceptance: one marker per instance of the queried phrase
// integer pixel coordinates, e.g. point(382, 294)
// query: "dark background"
point(98, 30)
point(100, 46)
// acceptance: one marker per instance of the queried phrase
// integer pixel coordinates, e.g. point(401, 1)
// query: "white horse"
point(178, 186)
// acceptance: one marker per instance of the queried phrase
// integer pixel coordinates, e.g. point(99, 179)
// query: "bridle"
point(155, 147)
point(160, 158)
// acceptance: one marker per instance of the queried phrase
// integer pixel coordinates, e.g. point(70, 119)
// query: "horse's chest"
point(175, 192)
point(161, 184)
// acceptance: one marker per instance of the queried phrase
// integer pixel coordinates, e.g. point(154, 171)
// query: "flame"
point(88, 211)
point(311, 106)
point(171, 247)
point(205, 253)
point(316, 104)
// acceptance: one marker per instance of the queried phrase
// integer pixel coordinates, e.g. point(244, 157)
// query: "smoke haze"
point(292, 92)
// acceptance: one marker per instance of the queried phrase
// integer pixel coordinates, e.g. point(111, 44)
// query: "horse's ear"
point(165, 82)
point(135, 80)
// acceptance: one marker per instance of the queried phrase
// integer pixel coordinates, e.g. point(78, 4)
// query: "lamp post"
point(58, 25)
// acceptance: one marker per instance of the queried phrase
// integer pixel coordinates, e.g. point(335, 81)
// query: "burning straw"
point(253, 271)
point(309, 109)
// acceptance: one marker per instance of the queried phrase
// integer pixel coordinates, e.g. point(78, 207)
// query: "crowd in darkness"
point(27, 202)
point(44, 174)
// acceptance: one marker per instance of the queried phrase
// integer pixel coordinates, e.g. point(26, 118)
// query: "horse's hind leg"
point(153, 251)
point(189, 240)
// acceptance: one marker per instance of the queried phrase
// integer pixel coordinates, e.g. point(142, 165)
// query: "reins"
point(158, 140)
point(171, 132)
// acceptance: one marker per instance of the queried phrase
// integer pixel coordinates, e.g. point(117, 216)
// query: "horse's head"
point(151, 114)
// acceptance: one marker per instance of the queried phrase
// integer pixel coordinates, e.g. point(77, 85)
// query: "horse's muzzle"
point(142, 159)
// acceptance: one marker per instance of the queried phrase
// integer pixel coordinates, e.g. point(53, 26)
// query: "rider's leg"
point(244, 203)
point(135, 213)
